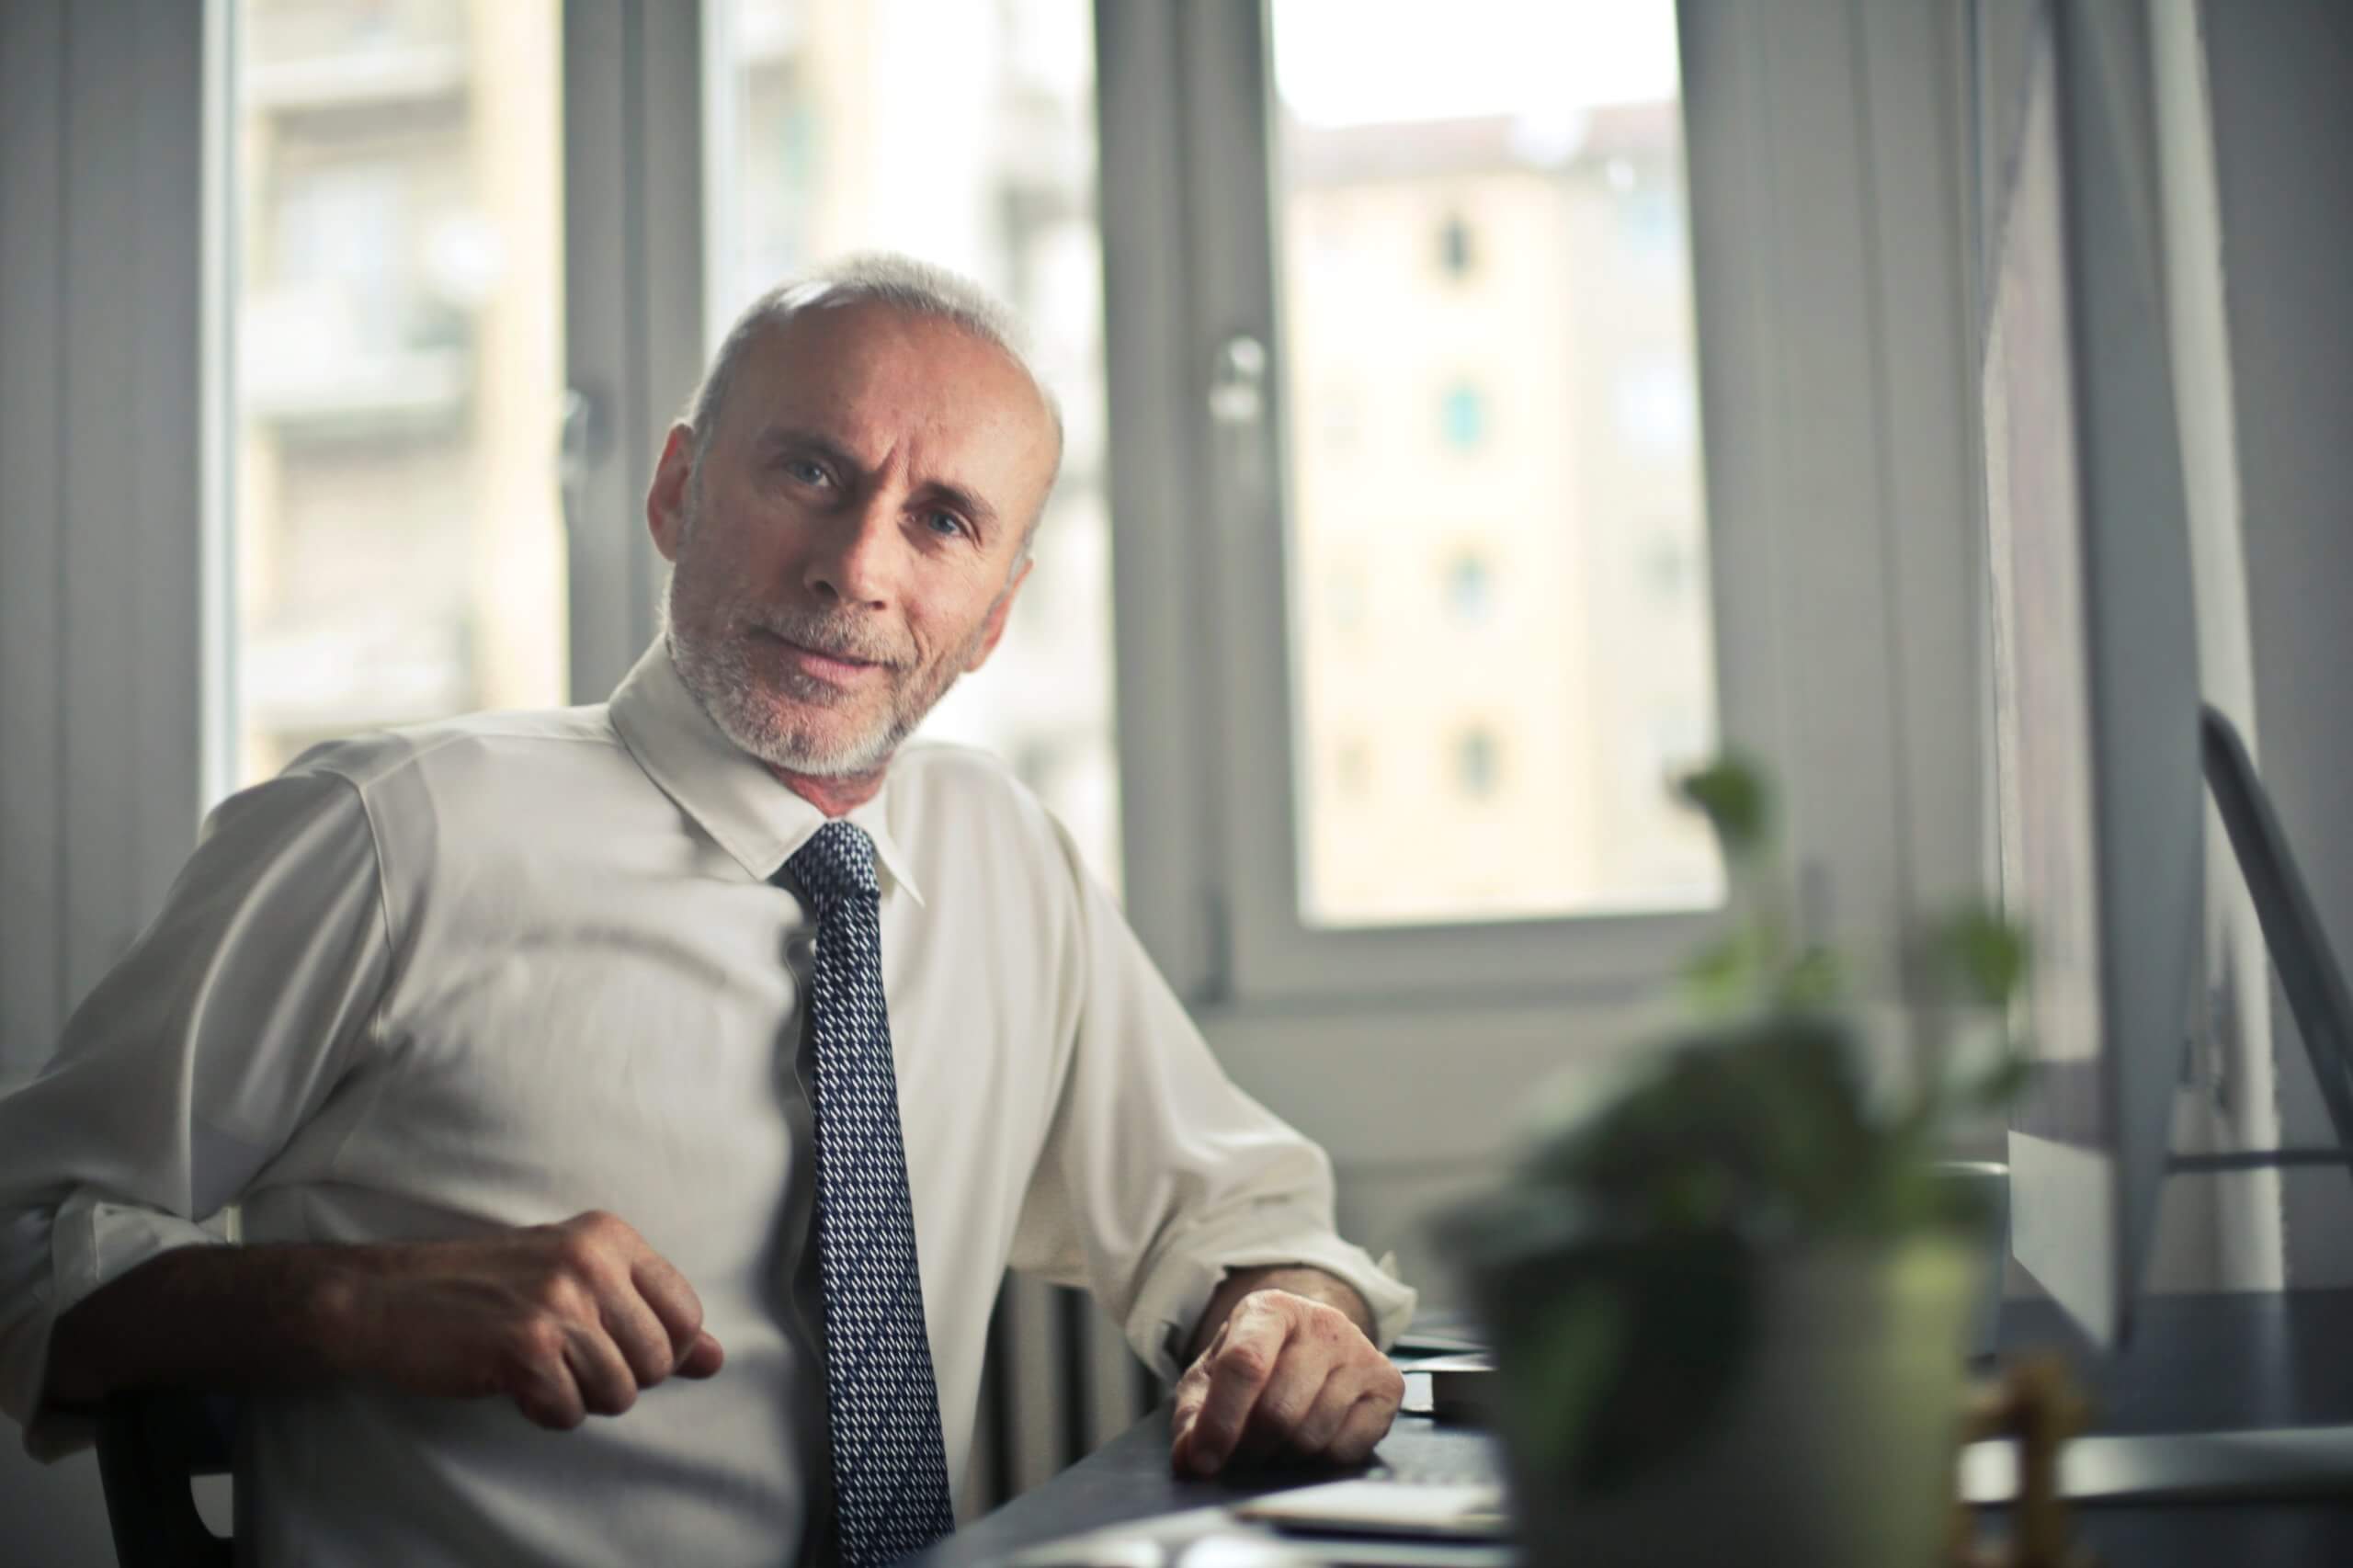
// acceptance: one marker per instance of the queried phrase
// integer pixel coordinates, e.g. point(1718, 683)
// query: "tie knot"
point(838, 861)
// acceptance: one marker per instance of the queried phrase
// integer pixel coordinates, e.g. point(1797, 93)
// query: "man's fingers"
point(1367, 1423)
point(703, 1357)
point(607, 1385)
point(536, 1379)
point(672, 1301)
point(1192, 1389)
point(1300, 1376)
point(639, 1335)
point(1303, 1374)
point(1239, 1371)
point(1313, 1432)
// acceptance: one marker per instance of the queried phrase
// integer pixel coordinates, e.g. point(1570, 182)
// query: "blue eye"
point(804, 471)
point(944, 523)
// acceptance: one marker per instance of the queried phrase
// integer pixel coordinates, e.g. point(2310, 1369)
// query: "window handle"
point(576, 431)
point(1239, 425)
point(1238, 391)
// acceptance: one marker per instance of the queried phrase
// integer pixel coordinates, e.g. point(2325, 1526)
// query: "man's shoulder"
point(944, 777)
point(461, 744)
point(929, 764)
point(972, 797)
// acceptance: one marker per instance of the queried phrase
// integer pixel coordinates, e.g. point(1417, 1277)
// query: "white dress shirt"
point(499, 970)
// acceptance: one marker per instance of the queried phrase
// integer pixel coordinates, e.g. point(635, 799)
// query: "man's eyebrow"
point(982, 515)
point(779, 438)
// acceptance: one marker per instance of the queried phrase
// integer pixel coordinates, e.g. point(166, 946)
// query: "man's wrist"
point(332, 1317)
point(238, 1317)
point(1298, 1278)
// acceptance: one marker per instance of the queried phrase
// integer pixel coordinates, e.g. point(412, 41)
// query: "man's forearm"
point(569, 1320)
point(1312, 1283)
point(224, 1318)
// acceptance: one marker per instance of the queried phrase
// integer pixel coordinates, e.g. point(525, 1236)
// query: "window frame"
point(1247, 944)
point(633, 285)
point(630, 247)
point(1824, 154)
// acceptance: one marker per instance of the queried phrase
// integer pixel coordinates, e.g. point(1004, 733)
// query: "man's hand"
point(1284, 1378)
point(567, 1320)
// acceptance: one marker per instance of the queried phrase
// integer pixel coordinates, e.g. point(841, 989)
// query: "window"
point(1475, 763)
point(398, 554)
point(1565, 388)
point(1470, 589)
point(1463, 417)
point(815, 152)
point(1455, 253)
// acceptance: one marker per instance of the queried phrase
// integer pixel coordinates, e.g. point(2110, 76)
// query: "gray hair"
point(901, 281)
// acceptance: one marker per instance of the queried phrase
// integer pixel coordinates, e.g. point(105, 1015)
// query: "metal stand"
point(2306, 1462)
point(2291, 932)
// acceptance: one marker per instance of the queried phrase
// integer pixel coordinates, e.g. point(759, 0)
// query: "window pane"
point(400, 554)
point(963, 134)
point(1500, 612)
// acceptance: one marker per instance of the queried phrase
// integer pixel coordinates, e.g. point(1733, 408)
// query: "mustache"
point(830, 635)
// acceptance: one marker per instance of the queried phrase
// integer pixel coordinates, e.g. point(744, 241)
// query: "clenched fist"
point(567, 1320)
point(1288, 1378)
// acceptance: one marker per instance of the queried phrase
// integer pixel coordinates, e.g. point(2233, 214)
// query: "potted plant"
point(1729, 1295)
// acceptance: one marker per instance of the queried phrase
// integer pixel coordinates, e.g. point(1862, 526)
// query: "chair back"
point(151, 1444)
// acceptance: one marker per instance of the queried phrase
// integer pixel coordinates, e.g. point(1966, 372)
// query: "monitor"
point(2096, 712)
point(2103, 750)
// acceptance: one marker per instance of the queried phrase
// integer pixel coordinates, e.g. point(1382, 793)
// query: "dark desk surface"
point(2196, 1362)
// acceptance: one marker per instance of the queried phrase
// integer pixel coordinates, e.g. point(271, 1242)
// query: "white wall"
point(100, 285)
point(2281, 78)
point(101, 139)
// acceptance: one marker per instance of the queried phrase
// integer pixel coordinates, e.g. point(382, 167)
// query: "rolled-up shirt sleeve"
point(1160, 1176)
point(219, 1035)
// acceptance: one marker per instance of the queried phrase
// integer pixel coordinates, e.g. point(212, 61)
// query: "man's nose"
point(853, 559)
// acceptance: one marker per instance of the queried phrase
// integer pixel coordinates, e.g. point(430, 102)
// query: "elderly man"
point(697, 1059)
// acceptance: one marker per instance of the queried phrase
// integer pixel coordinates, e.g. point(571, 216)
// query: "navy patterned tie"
point(890, 1464)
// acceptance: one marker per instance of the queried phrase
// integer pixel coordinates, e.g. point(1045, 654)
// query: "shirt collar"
point(747, 811)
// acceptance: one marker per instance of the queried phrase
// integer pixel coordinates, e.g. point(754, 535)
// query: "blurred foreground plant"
point(1619, 1266)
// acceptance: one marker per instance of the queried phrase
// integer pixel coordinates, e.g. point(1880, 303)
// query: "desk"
point(2195, 1361)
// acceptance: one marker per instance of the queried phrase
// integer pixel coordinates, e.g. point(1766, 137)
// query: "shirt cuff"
point(1170, 1305)
point(92, 1242)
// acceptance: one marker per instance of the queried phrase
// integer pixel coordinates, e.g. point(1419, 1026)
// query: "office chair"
point(151, 1445)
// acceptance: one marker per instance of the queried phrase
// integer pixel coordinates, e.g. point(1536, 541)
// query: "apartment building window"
point(1563, 368)
point(1476, 763)
point(397, 221)
point(1462, 416)
point(1469, 588)
point(1456, 251)
point(1620, 375)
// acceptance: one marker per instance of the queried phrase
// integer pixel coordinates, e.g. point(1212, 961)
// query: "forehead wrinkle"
point(886, 393)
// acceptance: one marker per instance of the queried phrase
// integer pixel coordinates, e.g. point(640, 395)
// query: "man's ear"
point(998, 613)
point(666, 501)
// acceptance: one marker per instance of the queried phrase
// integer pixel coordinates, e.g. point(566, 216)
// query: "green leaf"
point(1723, 975)
point(1989, 953)
point(1815, 979)
point(1731, 791)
